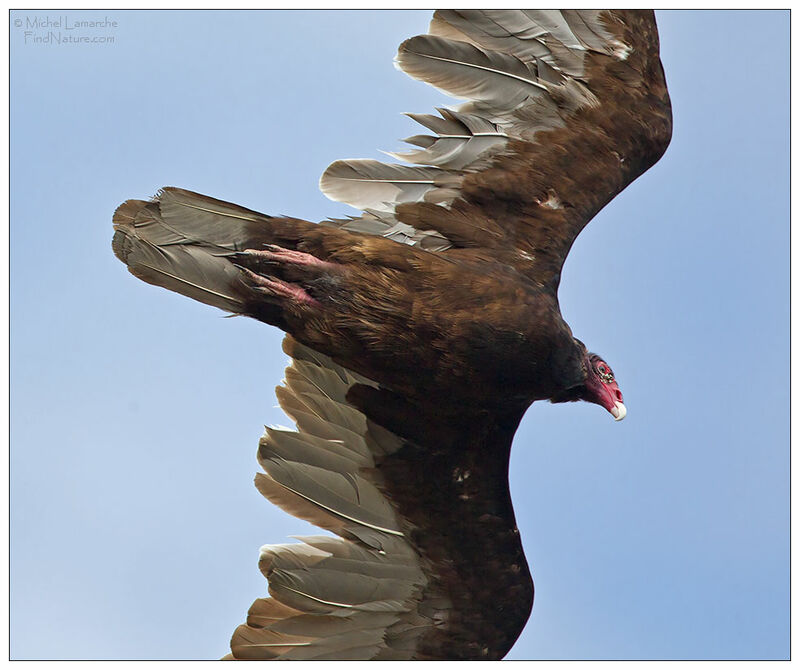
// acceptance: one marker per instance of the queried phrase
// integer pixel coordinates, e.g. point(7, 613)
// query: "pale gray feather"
point(491, 80)
point(188, 270)
point(370, 184)
point(292, 445)
point(512, 32)
point(304, 448)
point(347, 496)
point(462, 140)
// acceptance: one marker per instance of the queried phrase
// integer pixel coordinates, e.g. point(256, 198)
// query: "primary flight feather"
point(421, 330)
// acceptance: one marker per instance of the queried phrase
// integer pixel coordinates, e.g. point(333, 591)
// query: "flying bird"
point(422, 329)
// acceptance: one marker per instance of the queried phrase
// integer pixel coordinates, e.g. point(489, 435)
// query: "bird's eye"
point(605, 373)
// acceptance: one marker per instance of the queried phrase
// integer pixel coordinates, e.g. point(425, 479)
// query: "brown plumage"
point(422, 330)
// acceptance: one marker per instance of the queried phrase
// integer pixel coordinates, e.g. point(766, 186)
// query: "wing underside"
point(563, 110)
point(426, 543)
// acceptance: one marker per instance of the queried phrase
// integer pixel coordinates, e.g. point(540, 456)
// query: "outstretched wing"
point(428, 562)
point(565, 109)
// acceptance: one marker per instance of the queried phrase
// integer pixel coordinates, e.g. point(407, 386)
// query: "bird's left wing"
point(427, 562)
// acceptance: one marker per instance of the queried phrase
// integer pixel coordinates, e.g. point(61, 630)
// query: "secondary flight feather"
point(422, 329)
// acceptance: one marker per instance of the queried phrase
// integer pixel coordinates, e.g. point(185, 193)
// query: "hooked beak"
point(607, 395)
point(618, 411)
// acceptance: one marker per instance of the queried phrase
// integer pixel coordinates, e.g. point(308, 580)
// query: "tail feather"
point(201, 219)
point(190, 271)
point(185, 242)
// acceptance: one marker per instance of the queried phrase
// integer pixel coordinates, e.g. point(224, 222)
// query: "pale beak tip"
point(619, 412)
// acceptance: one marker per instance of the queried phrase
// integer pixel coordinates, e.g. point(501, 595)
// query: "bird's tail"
point(199, 246)
point(184, 241)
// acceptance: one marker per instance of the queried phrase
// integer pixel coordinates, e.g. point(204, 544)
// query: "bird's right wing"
point(564, 109)
point(427, 562)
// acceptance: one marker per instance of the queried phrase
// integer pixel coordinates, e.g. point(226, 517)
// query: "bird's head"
point(597, 384)
point(601, 388)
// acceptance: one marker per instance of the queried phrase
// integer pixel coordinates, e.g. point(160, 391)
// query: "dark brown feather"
point(450, 483)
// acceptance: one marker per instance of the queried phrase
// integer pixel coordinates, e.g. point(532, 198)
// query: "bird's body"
point(414, 362)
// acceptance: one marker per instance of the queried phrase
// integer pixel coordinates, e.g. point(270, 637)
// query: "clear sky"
point(136, 412)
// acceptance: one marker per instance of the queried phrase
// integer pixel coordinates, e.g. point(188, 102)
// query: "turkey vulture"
point(421, 330)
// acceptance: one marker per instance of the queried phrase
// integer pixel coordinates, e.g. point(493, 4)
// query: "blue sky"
point(135, 413)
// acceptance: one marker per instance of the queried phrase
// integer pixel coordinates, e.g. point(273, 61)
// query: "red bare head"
point(602, 388)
